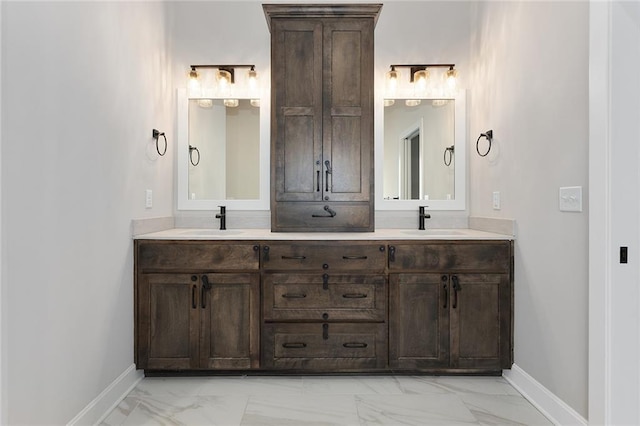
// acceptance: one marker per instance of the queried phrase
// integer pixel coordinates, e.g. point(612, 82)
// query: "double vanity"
point(394, 300)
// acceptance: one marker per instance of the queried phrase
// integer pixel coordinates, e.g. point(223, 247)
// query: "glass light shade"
point(439, 102)
point(412, 102)
point(194, 83)
point(255, 102)
point(392, 80)
point(420, 79)
point(224, 78)
point(231, 103)
point(389, 102)
point(451, 77)
point(253, 78)
point(205, 103)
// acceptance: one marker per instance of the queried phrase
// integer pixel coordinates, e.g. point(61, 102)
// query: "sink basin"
point(209, 232)
point(433, 232)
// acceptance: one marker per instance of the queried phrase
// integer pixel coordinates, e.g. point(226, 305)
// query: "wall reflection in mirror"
point(419, 149)
point(227, 140)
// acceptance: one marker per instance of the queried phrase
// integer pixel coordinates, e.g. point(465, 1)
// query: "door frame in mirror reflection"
point(184, 200)
point(460, 161)
point(410, 150)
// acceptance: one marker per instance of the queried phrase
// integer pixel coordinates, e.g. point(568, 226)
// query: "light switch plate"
point(496, 200)
point(148, 200)
point(570, 199)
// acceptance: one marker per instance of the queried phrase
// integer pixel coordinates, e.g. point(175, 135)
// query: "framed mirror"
point(223, 154)
point(421, 154)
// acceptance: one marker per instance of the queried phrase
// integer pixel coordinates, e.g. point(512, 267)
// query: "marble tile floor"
point(324, 400)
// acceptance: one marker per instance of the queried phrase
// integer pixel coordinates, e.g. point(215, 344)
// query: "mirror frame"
point(184, 203)
point(460, 158)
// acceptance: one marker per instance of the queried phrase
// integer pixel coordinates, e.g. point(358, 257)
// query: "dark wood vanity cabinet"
point(324, 306)
point(322, 173)
point(197, 305)
point(451, 306)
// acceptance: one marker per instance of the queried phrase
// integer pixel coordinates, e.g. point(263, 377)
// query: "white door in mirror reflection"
point(415, 170)
point(228, 139)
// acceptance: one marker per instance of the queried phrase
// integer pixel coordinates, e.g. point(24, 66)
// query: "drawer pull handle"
point(325, 281)
point(354, 296)
point(354, 257)
point(354, 345)
point(294, 345)
point(294, 295)
point(294, 257)
point(325, 331)
point(328, 209)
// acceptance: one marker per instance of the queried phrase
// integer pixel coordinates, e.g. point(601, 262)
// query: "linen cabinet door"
point(230, 321)
point(168, 321)
point(480, 321)
point(418, 321)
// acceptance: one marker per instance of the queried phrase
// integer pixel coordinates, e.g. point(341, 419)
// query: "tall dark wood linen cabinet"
point(322, 174)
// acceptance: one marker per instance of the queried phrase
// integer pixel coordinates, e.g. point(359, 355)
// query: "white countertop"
point(266, 234)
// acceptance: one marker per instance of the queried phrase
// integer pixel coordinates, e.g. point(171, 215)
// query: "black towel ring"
point(156, 135)
point(489, 136)
point(448, 149)
point(191, 149)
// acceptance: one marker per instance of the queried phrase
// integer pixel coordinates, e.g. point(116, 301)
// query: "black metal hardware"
point(156, 135)
point(328, 209)
point(256, 247)
point(624, 254)
point(206, 285)
point(354, 296)
point(354, 257)
point(294, 295)
point(294, 345)
point(294, 257)
point(392, 253)
point(381, 248)
point(194, 304)
point(450, 150)
point(489, 136)
point(325, 316)
point(223, 217)
point(327, 164)
point(194, 278)
point(354, 345)
point(422, 216)
point(456, 289)
point(444, 279)
point(325, 331)
point(317, 180)
point(191, 150)
point(325, 266)
point(265, 253)
point(325, 280)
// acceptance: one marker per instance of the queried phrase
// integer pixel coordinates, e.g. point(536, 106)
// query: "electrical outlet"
point(148, 199)
point(496, 200)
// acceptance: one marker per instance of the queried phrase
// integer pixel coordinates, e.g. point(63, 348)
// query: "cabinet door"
point(230, 327)
point(418, 321)
point(168, 321)
point(297, 170)
point(348, 108)
point(480, 321)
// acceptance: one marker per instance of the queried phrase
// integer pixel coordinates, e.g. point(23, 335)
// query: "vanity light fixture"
point(225, 74)
point(255, 103)
point(419, 76)
point(389, 102)
point(412, 102)
point(231, 103)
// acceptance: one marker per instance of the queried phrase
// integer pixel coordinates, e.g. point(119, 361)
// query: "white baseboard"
point(542, 398)
point(98, 409)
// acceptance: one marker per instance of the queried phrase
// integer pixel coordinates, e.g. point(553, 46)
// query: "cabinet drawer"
point(324, 256)
point(313, 217)
point(324, 346)
point(451, 256)
point(195, 255)
point(324, 297)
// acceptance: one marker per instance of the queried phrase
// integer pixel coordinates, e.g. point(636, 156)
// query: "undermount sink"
point(433, 232)
point(209, 232)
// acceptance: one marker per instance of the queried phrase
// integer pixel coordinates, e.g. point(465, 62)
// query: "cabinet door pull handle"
point(354, 257)
point(446, 295)
point(327, 164)
point(456, 289)
point(354, 296)
point(206, 285)
point(325, 331)
point(203, 296)
point(392, 253)
point(294, 257)
point(318, 181)
point(194, 290)
point(265, 253)
point(328, 209)
point(354, 345)
point(325, 281)
point(294, 295)
point(294, 345)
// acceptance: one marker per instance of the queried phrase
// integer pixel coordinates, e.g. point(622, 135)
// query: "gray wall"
point(530, 85)
point(83, 84)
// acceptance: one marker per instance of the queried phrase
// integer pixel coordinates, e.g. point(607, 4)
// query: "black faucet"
point(223, 217)
point(422, 216)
